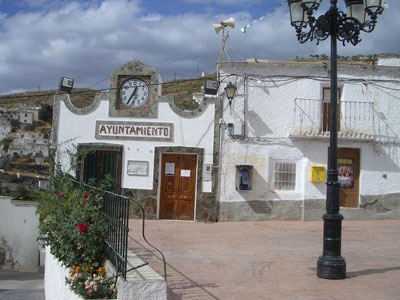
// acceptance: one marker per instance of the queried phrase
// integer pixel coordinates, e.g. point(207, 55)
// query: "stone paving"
point(271, 259)
point(21, 286)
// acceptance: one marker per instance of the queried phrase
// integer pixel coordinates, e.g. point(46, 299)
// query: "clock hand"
point(133, 94)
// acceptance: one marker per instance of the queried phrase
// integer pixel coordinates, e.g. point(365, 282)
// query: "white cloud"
point(224, 2)
point(88, 42)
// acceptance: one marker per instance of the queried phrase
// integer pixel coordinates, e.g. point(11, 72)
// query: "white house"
point(25, 143)
point(275, 134)
point(5, 127)
point(155, 152)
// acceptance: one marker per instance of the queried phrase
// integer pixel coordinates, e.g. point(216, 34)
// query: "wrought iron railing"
point(145, 238)
point(311, 118)
point(116, 210)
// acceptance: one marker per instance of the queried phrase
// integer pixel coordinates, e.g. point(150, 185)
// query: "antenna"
point(221, 26)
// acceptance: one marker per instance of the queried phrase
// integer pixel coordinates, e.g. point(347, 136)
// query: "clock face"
point(134, 93)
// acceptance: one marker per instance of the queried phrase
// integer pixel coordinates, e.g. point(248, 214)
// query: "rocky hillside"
point(182, 90)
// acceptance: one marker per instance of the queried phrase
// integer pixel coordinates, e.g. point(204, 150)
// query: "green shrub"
point(72, 222)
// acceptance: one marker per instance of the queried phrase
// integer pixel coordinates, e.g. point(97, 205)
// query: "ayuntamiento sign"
point(134, 130)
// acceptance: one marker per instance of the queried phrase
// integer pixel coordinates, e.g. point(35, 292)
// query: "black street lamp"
point(361, 16)
point(230, 91)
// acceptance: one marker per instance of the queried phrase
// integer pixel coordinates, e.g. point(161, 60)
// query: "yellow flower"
point(77, 269)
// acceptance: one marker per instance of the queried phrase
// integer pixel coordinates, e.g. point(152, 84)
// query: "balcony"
point(358, 121)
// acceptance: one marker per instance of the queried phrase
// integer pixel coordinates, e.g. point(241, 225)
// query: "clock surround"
point(135, 70)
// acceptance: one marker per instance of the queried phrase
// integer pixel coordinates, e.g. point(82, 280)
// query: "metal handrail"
point(143, 222)
point(145, 239)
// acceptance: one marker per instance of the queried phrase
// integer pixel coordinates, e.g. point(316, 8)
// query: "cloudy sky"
point(42, 40)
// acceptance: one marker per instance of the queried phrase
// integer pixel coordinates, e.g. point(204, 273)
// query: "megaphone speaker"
point(218, 27)
point(229, 22)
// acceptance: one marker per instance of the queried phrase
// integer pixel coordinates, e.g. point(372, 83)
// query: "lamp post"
point(361, 16)
point(230, 91)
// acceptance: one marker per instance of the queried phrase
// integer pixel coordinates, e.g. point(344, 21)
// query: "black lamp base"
point(329, 267)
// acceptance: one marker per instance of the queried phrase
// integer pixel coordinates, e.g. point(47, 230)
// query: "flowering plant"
point(72, 222)
point(90, 282)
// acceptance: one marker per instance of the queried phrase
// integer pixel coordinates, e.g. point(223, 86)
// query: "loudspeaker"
point(218, 27)
point(230, 22)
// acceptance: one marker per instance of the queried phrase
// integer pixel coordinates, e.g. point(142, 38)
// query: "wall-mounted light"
point(230, 91)
point(210, 87)
point(66, 84)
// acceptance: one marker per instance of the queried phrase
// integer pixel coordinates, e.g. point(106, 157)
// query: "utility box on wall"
point(244, 177)
point(317, 174)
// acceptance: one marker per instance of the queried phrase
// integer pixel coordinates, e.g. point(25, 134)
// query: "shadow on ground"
point(180, 286)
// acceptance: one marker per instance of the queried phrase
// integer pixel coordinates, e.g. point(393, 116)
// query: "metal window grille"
point(285, 176)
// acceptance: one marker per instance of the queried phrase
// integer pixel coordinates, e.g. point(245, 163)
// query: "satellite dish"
point(221, 26)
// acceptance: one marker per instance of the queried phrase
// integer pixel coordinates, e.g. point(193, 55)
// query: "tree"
point(46, 113)
point(6, 143)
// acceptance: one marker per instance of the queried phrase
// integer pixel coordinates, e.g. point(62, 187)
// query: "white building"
point(5, 127)
point(155, 152)
point(29, 143)
point(25, 117)
point(276, 135)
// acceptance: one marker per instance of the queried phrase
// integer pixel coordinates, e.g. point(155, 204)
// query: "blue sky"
point(164, 7)
point(42, 40)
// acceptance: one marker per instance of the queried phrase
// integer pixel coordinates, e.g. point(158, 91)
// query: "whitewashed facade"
point(5, 127)
point(29, 143)
point(140, 137)
point(276, 126)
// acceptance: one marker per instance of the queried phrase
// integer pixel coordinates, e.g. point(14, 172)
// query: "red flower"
point(60, 195)
point(82, 227)
point(85, 195)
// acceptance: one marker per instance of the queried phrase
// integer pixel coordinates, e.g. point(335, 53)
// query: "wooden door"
point(178, 186)
point(327, 109)
point(349, 176)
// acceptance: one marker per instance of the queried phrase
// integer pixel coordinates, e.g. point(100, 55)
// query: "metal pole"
point(331, 265)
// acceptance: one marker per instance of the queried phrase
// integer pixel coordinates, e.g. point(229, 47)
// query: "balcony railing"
point(357, 119)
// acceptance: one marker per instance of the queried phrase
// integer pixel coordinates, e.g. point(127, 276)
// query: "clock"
point(134, 92)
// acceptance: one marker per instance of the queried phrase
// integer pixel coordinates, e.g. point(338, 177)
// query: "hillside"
point(182, 90)
point(80, 98)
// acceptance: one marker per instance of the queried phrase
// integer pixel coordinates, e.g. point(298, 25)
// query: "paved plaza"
point(271, 259)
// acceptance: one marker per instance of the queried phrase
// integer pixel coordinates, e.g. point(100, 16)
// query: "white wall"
point(196, 132)
point(19, 231)
point(265, 102)
point(54, 280)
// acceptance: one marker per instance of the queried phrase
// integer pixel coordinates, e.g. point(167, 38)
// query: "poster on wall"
point(138, 168)
point(346, 172)
point(169, 169)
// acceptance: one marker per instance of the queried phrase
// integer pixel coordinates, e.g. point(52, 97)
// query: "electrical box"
point(317, 174)
point(244, 177)
point(238, 128)
point(207, 173)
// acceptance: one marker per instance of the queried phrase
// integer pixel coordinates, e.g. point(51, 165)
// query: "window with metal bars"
point(101, 162)
point(285, 176)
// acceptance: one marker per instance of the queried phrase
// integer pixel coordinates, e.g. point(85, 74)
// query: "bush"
point(46, 113)
point(15, 124)
point(6, 142)
point(72, 223)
